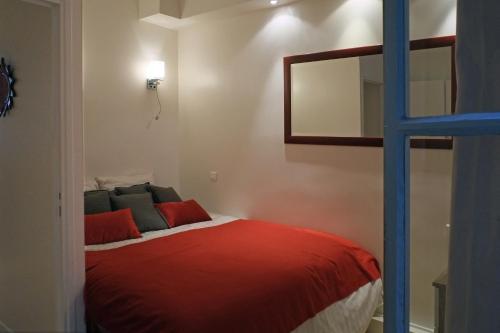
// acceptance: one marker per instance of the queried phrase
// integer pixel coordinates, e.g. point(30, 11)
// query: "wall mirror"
point(337, 97)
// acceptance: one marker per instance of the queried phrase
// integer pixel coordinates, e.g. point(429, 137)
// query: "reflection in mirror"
point(342, 96)
point(326, 98)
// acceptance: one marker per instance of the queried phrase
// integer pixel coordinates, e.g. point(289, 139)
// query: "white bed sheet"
point(216, 220)
point(350, 315)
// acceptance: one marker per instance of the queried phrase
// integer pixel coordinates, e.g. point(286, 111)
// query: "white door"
point(30, 240)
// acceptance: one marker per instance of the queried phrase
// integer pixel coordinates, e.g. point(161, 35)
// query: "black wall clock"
point(7, 92)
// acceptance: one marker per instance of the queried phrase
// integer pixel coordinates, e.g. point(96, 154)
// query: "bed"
point(232, 275)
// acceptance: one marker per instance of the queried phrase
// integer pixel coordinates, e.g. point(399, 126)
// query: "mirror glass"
point(345, 97)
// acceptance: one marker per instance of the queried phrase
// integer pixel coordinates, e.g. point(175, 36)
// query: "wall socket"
point(214, 176)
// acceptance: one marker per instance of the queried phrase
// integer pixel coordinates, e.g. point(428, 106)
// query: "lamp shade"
point(156, 70)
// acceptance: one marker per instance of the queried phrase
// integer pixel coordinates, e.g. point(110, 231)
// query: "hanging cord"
point(159, 104)
point(157, 117)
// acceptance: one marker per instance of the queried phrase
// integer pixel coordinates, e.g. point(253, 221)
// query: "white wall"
point(29, 238)
point(231, 107)
point(118, 107)
point(231, 84)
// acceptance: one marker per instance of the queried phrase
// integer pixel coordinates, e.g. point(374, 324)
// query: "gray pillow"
point(97, 202)
point(146, 217)
point(134, 189)
point(164, 194)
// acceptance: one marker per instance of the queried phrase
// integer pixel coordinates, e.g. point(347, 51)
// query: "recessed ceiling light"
point(273, 2)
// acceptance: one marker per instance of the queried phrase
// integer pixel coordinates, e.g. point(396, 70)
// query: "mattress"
point(351, 314)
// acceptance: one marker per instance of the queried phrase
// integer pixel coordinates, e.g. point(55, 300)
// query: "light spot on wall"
point(359, 17)
point(283, 24)
point(432, 18)
point(449, 23)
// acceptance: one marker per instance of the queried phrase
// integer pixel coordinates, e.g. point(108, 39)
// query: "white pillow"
point(90, 185)
point(110, 183)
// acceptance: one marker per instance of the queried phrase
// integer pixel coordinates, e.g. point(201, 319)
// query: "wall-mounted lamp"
point(155, 74)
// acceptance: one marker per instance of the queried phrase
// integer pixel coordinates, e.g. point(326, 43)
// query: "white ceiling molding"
point(176, 14)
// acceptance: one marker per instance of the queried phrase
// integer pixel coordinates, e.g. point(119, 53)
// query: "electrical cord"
point(159, 104)
point(157, 117)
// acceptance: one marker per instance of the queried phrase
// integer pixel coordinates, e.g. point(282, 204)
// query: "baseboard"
point(4, 328)
point(414, 328)
point(377, 326)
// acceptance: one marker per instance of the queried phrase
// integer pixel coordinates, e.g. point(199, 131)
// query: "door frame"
point(71, 268)
point(72, 165)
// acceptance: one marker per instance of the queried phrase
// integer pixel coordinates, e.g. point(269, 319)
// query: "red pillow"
point(110, 227)
point(181, 213)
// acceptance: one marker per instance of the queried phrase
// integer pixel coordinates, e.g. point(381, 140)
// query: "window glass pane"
point(455, 236)
point(432, 83)
point(432, 86)
point(430, 202)
point(429, 19)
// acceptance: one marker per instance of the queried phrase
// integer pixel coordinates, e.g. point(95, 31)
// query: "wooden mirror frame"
point(420, 44)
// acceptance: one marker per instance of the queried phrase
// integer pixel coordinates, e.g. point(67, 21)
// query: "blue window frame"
point(398, 128)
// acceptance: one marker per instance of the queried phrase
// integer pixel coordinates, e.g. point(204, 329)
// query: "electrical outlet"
point(214, 176)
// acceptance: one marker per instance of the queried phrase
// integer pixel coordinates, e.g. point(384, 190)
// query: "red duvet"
point(245, 276)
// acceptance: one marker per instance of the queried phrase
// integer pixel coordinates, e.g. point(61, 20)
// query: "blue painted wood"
point(398, 128)
point(396, 160)
point(454, 125)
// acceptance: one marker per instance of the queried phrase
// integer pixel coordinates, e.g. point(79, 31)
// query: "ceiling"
point(176, 14)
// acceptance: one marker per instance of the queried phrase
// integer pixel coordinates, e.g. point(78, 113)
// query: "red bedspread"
point(245, 276)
